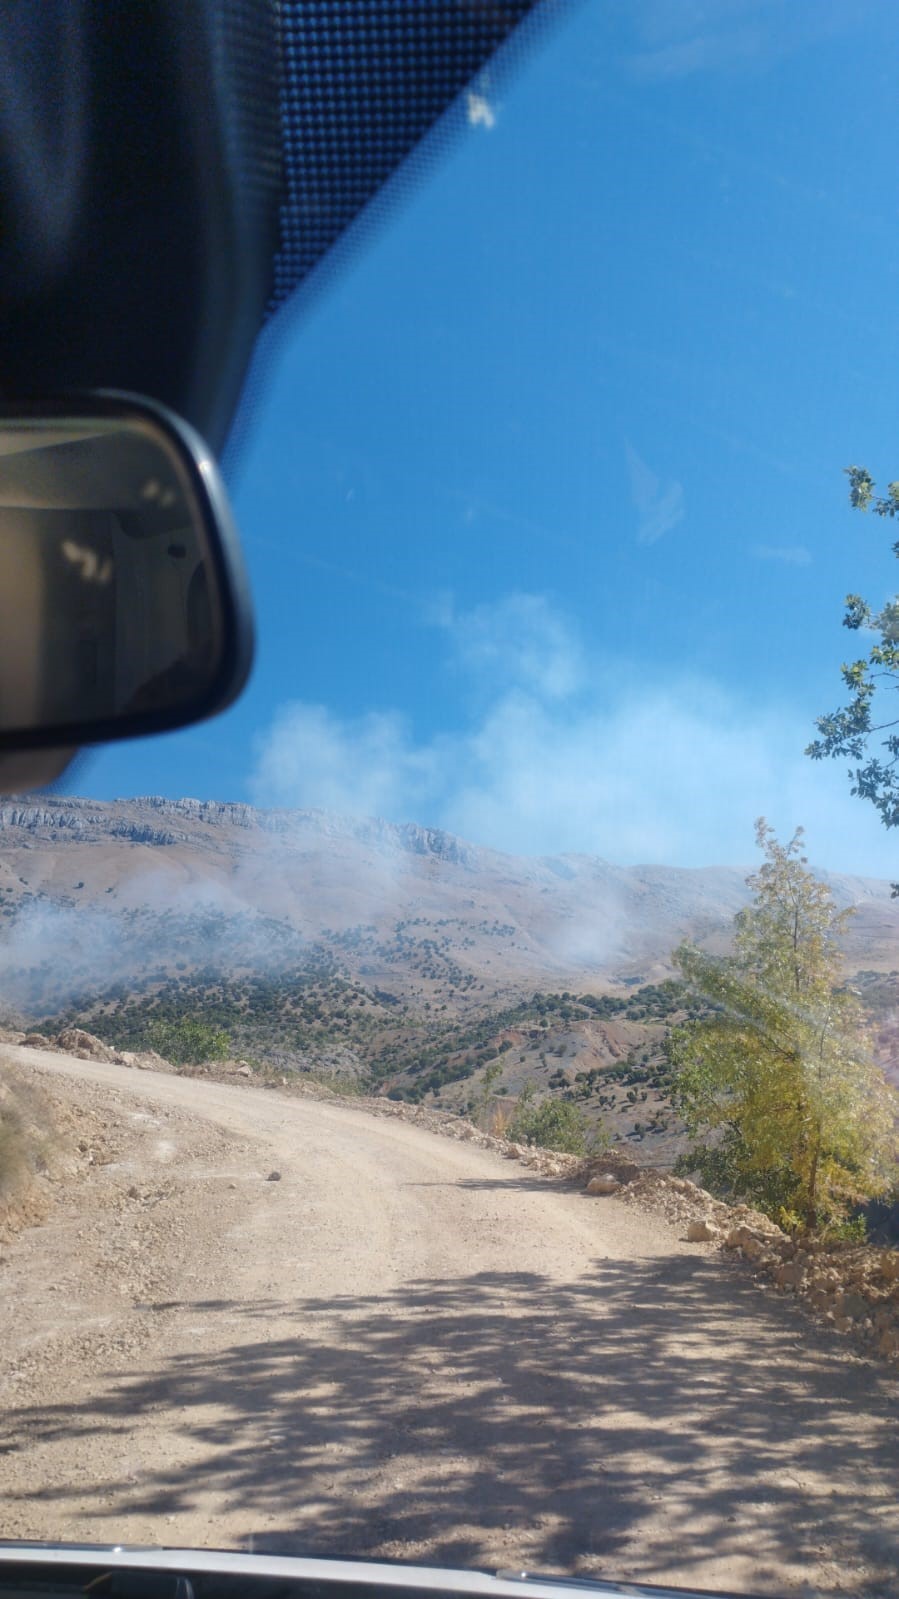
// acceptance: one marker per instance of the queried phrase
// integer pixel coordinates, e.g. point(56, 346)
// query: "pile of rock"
point(75, 1041)
point(548, 1162)
point(87, 1046)
point(851, 1288)
point(71, 1041)
point(854, 1289)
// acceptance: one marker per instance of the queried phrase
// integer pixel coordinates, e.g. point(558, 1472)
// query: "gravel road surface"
point(410, 1348)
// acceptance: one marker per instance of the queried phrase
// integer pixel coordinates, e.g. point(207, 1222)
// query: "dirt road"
point(411, 1348)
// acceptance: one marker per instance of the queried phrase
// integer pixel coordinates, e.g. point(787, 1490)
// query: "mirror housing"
point(124, 606)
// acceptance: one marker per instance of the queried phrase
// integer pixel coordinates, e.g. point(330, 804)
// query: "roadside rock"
point(145, 1060)
point(76, 1041)
point(603, 1184)
point(699, 1232)
point(851, 1287)
point(613, 1164)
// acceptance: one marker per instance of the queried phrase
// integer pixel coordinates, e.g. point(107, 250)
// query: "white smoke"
point(568, 752)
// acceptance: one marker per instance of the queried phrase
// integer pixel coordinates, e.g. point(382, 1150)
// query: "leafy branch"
point(848, 731)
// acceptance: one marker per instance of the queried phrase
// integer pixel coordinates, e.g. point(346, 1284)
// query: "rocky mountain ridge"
point(90, 819)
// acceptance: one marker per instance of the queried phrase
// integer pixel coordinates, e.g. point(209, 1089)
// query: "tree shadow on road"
point(537, 1184)
point(640, 1421)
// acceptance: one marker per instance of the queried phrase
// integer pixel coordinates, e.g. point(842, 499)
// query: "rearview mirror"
point(123, 602)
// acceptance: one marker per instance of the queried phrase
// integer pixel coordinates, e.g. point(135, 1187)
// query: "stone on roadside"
point(700, 1232)
point(856, 1305)
point(77, 1041)
point(745, 1239)
point(603, 1184)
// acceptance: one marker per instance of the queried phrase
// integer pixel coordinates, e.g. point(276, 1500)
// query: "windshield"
point(448, 1103)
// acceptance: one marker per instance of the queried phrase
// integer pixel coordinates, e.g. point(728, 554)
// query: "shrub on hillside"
point(189, 1042)
point(553, 1124)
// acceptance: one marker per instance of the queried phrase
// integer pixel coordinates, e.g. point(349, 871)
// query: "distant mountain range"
point(95, 893)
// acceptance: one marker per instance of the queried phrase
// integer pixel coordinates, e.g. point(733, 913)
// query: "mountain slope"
point(93, 893)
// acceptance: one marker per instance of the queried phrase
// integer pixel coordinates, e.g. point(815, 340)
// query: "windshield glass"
point(448, 1103)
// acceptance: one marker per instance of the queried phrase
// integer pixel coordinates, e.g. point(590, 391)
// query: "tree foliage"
point(553, 1124)
point(851, 730)
point(777, 1085)
point(189, 1041)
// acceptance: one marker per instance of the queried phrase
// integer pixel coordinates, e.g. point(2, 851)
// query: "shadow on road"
point(631, 1422)
point(536, 1184)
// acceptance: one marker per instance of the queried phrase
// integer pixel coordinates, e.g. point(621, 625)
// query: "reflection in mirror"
point(109, 598)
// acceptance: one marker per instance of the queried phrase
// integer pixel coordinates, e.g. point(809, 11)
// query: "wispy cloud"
point(677, 41)
point(681, 58)
point(659, 506)
point(786, 554)
point(520, 642)
point(567, 751)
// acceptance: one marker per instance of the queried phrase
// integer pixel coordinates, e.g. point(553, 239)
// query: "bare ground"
point(408, 1348)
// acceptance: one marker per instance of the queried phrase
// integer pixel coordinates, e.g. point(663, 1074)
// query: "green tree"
point(554, 1124)
point(851, 730)
point(777, 1084)
point(189, 1041)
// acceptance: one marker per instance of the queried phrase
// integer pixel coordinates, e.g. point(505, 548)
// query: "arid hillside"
point(94, 893)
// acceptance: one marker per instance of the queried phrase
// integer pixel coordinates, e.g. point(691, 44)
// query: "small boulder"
point(273, 1177)
point(244, 1071)
point(76, 1041)
point(700, 1232)
point(603, 1184)
point(745, 1239)
point(856, 1306)
point(147, 1060)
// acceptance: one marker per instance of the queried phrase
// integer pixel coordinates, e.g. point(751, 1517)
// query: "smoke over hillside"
point(96, 894)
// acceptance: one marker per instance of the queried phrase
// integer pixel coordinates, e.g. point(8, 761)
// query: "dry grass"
point(27, 1133)
point(498, 1118)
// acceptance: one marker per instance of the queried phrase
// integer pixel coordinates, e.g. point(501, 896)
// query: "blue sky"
point(543, 502)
